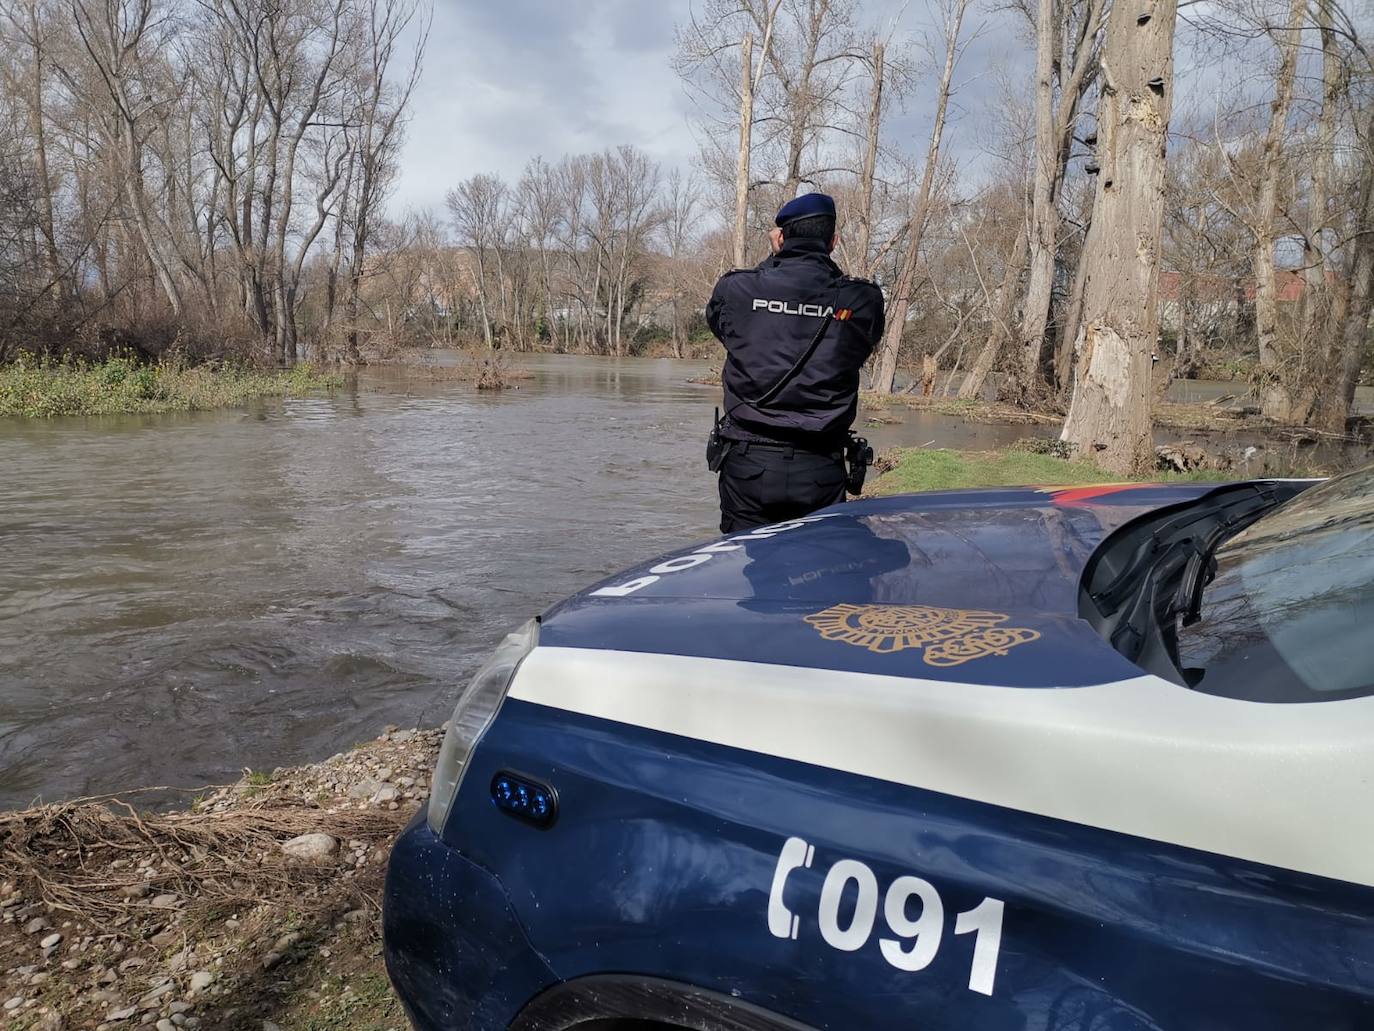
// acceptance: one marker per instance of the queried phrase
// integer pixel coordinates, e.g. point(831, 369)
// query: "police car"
point(1080, 759)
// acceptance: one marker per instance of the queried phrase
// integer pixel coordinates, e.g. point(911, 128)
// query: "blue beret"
point(805, 206)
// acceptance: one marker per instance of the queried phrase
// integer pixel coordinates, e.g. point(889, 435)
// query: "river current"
point(183, 596)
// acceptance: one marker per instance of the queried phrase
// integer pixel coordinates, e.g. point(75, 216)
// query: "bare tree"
point(541, 209)
point(749, 86)
point(29, 30)
point(1354, 330)
point(477, 209)
point(120, 38)
point(1000, 327)
point(376, 108)
point(679, 232)
point(1267, 179)
point(952, 15)
point(794, 86)
point(869, 170)
point(1066, 47)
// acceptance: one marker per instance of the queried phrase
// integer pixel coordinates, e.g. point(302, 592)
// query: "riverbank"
point(39, 388)
point(1225, 413)
point(1035, 461)
point(1237, 411)
point(257, 907)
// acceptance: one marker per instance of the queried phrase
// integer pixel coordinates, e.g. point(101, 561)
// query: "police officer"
point(796, 332)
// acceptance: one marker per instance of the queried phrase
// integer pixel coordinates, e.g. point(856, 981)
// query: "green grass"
point(39, 387)
point(920, 469)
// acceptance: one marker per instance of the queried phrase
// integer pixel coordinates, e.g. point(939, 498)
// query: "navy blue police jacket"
point(766, 317)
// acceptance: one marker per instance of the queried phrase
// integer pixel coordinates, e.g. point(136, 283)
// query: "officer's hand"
point(775, 239)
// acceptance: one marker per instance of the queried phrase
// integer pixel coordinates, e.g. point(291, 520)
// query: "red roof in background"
point(1290, 285)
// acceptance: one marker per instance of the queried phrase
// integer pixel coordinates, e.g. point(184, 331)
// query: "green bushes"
point(39, 387)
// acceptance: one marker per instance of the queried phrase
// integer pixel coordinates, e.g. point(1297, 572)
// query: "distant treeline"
point(214, 176)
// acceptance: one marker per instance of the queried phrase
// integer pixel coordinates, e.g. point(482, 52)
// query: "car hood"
point(978, 586)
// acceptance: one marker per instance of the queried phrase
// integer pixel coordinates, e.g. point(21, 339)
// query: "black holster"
point(717, 447)
point(859, 456)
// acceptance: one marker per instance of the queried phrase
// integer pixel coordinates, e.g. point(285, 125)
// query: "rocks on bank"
point(256, 907)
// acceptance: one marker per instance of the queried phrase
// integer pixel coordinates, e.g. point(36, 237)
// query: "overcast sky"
point(505, 80)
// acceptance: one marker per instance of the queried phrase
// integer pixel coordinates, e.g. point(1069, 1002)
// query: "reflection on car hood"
point(975, 585)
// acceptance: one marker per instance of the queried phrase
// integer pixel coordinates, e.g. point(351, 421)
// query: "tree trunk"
point(1044, 218)
point(800, 99)
point(746, 127)
point(1068, 333)
point(1276, 400)
point(1321, 327)
point(1035, 313)
point(1000, 331)
point(929, 369)
point(870, 166)
point(46, 221)
point(1053, 145)
point(1109, 419)
point(1316, 295)
point(133, 192)
point(1359, 275)
point(886, 371)
point(353, 304)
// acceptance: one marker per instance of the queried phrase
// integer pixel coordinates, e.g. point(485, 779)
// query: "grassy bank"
point(968, 409)
point(257, 907)
point(39, 387)
point(1191, 416)
point(916, 469)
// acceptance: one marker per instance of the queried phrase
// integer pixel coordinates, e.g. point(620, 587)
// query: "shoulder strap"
point(835, 314)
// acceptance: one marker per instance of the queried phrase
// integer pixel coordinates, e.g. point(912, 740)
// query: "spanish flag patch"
point(843, 314)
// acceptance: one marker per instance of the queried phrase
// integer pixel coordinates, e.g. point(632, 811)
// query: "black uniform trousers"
point(771, 483)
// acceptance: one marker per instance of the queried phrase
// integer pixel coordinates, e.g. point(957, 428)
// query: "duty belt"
point(745, 446)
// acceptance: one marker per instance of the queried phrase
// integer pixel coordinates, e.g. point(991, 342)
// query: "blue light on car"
point(524, 798)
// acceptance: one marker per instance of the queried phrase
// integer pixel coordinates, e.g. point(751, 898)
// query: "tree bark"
point(1053, 145)
point(1000, 331)
point(35, 35)
point(1109, 418)
point(1063, 360)
point(801, 99)
point(1316, 296)
point(870, 165)
point(1043, 229)
point(1359, 275)
point(1275, 400)
point(746, 128)
point(1321, 335)
point(886, 371)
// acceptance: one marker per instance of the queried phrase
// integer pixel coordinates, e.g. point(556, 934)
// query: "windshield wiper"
point(1202, 567)
point(1146, 556)
point(1150, 555)
point(1166, 575)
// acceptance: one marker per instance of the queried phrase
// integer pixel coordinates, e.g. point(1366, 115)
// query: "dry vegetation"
point(114, 916)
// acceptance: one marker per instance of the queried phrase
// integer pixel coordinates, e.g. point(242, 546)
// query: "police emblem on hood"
point(947, 637)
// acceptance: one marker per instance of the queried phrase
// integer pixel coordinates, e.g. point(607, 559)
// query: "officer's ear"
point(775, 239)
point(834, 241)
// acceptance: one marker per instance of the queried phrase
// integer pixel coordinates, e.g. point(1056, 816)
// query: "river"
point(183, 596)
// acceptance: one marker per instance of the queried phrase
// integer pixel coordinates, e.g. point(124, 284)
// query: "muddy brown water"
point(183, 596)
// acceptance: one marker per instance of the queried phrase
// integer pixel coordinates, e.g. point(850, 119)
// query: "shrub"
point(39, 387)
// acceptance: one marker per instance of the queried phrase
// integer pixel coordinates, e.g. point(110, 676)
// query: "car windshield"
point(1288, 616)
